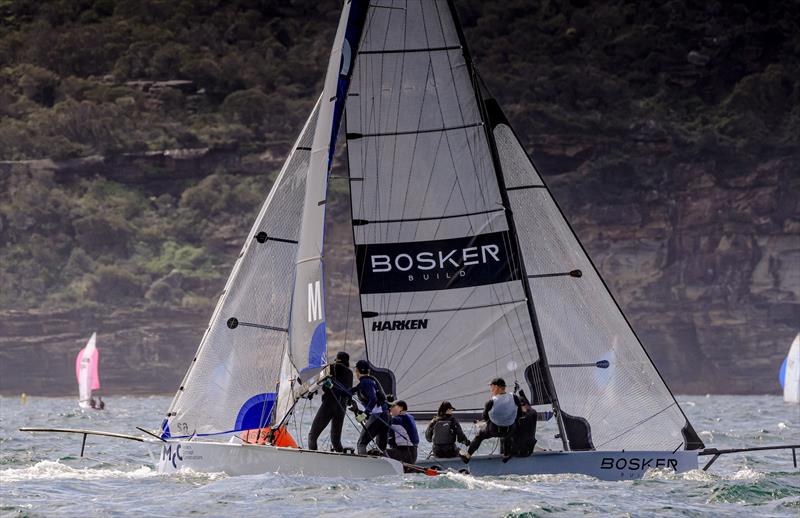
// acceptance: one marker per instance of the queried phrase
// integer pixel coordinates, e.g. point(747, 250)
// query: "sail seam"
point(445, 310)
point(408, 51)
point(359, 222)
point(355, 136)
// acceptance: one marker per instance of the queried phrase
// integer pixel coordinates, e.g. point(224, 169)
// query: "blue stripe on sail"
point(255, 412)
point(782, 372)
point(317, 349)
point(352, 36)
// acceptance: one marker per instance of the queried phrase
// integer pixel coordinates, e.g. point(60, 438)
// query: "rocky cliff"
point(668, 132)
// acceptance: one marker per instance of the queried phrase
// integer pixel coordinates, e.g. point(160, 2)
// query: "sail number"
point(314, 301)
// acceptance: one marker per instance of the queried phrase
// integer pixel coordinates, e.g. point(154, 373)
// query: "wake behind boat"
point(467, 270)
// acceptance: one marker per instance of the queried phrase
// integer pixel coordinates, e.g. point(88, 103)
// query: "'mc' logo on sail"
point(436, 265)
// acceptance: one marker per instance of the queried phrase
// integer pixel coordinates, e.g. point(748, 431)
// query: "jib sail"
point(231, 384)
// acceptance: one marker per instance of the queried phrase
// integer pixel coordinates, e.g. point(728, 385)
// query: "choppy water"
point(42, 475)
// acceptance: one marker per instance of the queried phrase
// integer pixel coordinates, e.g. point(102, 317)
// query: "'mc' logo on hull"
point(436, 265)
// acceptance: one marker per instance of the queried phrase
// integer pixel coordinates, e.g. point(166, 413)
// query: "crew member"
point(443, 431)
point(335, 396)
point(521, 442)
point(375, 418)
point(499, 415)
point(403, 435)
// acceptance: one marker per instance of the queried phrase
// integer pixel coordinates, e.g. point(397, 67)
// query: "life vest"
point(443, 433)
point(504, 410)
point(380, 396)
point(261, 436)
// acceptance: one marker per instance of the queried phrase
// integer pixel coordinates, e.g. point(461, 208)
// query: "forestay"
point(444, 307)
point(231, 384)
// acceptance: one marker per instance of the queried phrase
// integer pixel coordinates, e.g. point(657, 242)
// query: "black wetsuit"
point(522, 439)
point(443, 432)
point(333, 408)
point(491, 429)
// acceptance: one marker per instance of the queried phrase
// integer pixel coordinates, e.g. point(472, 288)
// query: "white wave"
point(745, 474)
point(54, 470)
point(472, 482)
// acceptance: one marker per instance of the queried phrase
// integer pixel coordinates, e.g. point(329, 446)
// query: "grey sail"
point(231, 384)
point(624, 400)
point(443, 302)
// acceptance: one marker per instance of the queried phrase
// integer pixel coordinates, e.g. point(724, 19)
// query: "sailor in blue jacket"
point(375, 418)
point(403, 435)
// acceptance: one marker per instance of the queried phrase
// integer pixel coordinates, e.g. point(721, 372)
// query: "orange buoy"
point(261, 436)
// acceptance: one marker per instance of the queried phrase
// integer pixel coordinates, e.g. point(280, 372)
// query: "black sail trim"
point(359, 222)
point(356, 136)
point(526, 187)
point(409, 51)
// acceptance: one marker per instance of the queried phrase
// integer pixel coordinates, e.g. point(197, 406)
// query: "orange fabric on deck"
point(282, 437)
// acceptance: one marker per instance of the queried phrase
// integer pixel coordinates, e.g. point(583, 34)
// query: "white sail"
point(444, 306)
point(86, 366)
point(464, 259)
point(790, 373)
point(231, 384)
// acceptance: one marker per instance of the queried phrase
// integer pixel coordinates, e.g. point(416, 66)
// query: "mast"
point(511, 227)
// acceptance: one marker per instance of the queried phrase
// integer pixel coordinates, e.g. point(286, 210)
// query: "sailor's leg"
point(363, 441)
point(485, 433)
point(336, 430)
point(321, 420)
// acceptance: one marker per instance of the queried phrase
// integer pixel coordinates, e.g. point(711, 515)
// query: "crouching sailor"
point(499, 414)
point(443, 431)
point(403, 435)
point(375, 418)
point(521, 442)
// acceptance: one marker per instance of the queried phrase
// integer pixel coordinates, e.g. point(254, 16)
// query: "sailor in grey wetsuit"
point(500, 414)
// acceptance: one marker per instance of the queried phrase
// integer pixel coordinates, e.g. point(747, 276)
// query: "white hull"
point(605, 465)
point(252, 459)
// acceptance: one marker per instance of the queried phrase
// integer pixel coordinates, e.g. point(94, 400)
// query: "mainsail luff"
point(545, 368)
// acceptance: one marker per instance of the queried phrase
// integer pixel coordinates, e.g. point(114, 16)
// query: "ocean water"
point(43, 475)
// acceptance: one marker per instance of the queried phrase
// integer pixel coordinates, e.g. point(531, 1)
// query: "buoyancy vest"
point(504, 410)
point(443, 432)
point(380, 396)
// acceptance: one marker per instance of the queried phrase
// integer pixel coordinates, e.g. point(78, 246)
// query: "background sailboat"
point(86, 364)
point(789, 374)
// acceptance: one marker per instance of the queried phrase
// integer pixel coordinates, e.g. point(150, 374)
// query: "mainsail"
point(232, 382)
point(86, 364)
point(467, 267)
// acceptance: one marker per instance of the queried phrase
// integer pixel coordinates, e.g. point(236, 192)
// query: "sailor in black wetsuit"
point(443, 431)
point(334, 403)
point(375, 418)
point(522, 440)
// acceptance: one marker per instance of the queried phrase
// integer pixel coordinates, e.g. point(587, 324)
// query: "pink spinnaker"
point(86, 370)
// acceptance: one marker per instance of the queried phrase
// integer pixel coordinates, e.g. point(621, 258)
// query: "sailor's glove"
point(327, 383)
point(467, 443)
point(363, 416)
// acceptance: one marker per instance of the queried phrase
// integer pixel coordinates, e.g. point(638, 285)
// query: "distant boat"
point(789, 375)
point(86, 371)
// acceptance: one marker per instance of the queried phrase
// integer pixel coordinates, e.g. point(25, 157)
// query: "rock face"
point(667, 131)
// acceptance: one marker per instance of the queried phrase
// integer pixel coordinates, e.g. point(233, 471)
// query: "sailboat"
point(789, 374)
point(86, 364)
point(467, 270)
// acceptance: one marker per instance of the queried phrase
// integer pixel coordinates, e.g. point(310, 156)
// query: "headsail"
point(789, 374)
point(86, 364)
point(231, 384)
point(455, 231)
